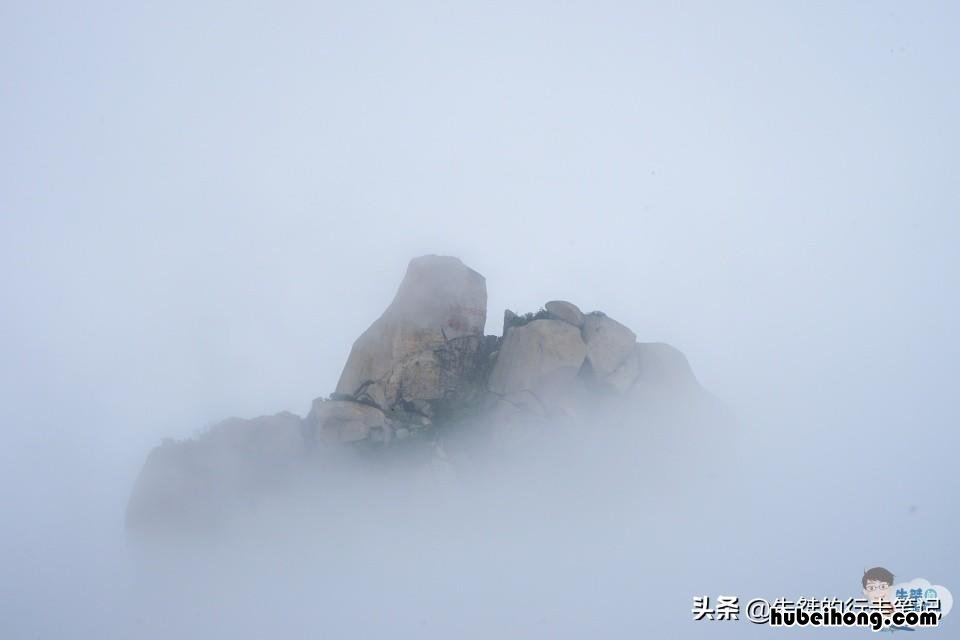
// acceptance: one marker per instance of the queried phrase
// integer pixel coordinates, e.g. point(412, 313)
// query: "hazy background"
point(202, 206)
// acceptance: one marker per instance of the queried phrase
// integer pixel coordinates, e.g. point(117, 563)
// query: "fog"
point(201, 207)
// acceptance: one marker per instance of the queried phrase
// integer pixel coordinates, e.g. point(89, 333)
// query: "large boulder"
point(566, 311)
point(424, 346)
point(662, 364)
point(609, 343)
point(625, 376)
point(538, 354)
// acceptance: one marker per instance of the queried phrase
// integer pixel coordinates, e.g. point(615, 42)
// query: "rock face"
point(662, 364)
point(344, 421)
point(609, 343)
point(566, 311)
point(541, 352)
point(425, 344)
point(626, 375)
point(423, 372)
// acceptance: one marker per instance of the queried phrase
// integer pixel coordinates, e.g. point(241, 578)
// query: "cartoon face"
point(877, 590)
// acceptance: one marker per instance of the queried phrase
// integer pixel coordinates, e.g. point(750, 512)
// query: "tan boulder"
point(662, 364)
point(538, 354)
point(624, 376)
point(566, 311)
point(609, 343)
point(432, 327)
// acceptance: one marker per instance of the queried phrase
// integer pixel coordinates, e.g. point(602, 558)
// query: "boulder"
point(566, 311)
point(609, 343)
point(662, 364)
point(423, 347)
point(626, 374)
point(535, 355)
point(343, 420)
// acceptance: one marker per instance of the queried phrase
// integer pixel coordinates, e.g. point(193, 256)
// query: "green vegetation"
point(514, 320)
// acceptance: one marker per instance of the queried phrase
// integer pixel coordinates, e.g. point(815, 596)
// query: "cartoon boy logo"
point(876, 584)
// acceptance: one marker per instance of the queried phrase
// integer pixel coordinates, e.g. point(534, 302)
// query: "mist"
point(201, 207)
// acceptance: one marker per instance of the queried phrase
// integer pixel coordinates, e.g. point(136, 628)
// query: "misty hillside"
point(425, 390)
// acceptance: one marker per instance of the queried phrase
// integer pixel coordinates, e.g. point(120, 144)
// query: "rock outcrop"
point(566, 311)
point(424, 347)
point(543, 352)
point(609, 343)
point(662, 364)
point(422, 372)
point(186, 485)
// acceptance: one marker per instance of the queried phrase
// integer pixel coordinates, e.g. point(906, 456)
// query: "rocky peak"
point(422, 350)
point(421, 368)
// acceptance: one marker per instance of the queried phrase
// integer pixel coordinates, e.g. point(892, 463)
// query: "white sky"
point(202, 206)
